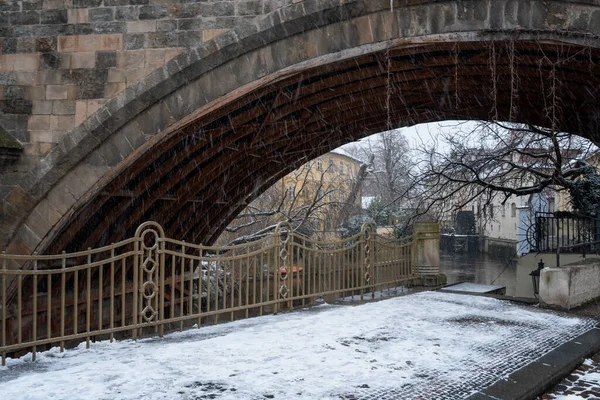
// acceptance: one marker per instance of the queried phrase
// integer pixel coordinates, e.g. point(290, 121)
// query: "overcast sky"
point(418, 135)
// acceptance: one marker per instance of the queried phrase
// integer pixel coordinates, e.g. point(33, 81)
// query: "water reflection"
point(479, 268)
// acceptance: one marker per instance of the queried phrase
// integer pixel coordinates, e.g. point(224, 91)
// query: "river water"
point(479, 268)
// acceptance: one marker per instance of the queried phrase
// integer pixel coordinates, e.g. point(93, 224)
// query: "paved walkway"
point(583, 383)
point(428, 345)
point(590, 310)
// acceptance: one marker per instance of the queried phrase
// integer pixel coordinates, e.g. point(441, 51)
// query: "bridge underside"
point(197, 178)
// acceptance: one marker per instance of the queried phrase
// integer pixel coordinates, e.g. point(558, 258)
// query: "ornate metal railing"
point(150, 283)
point(569, 231)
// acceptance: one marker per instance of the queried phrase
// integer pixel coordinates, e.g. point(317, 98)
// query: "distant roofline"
point(342, 152)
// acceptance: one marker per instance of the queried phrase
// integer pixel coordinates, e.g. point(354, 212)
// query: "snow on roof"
point(342, 152)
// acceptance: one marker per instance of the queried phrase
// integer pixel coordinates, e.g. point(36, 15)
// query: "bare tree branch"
point(496, 159)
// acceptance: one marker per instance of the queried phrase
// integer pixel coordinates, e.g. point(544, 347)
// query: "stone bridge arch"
point(193, 142)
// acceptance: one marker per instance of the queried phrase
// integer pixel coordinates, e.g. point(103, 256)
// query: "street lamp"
point(535, 278)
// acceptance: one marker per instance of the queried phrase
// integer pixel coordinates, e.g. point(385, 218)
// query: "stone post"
point(426, 249)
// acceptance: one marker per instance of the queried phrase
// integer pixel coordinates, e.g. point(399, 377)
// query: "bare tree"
point(349, 208)
point(308, 198)
point(501, 159)
point(391, 163)
point(389, 171)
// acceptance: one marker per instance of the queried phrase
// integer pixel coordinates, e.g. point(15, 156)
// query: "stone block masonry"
point(61, 60)
point(570, 286)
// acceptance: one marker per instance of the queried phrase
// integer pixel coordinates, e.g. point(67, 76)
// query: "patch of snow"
point(366, 201)
point(472, 287)
point(425, 345)
point(583, 381)
point(344, 153)
point(592, 377)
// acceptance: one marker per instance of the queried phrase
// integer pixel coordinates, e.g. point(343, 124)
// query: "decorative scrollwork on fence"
point(367, 231)
point(284, 233)
point(149, 236)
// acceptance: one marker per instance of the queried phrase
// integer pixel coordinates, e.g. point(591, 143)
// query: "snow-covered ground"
point(379, 295)
point(425, 345)
point(582, 384)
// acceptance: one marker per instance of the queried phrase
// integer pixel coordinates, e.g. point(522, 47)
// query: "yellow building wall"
point(335, 174)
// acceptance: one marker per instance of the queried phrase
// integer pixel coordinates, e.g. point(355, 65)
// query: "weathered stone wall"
point(60, 60)
point(570, 286)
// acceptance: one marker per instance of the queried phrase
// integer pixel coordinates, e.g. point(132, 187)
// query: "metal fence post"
point(136, 267)
point(276, 269)
point(161, 285)
point(3, 305)
point(367, 259)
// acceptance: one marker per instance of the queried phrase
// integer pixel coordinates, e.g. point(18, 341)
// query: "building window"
point(291, 192)
point(330, 165)
point(341, 168)
point(331, 197)
point(491, 211)
point(513, 210)
point(342, 195)
point(504, 210)
point(319, 194)
point(319, 164)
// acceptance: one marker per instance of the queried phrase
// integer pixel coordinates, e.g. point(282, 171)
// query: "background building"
point(316, 198)
point(506, 223)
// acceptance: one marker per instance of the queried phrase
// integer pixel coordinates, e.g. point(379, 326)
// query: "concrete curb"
point(541, 375)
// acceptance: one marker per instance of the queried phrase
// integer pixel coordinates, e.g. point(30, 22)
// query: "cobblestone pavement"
point(518, 348)
point(501, 359)
point(589, 310)
point(583, 383)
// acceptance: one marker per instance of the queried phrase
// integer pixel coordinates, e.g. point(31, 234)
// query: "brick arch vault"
point(196, 140)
